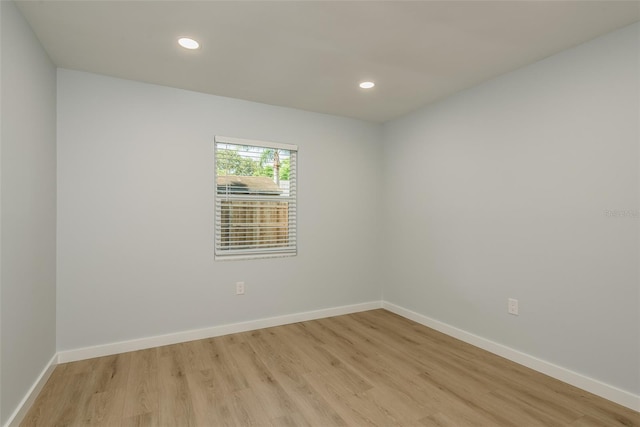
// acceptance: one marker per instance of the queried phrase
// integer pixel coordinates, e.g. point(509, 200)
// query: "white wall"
point(501, 191)
point(1, 33)
point(135, 212)
point(28, 210)
point(497, 192)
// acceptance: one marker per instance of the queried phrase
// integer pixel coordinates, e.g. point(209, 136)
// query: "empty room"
point(319, 213)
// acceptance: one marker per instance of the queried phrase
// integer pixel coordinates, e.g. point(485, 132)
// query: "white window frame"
point(221, 254)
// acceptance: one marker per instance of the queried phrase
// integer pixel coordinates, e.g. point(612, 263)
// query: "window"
point(255, 201)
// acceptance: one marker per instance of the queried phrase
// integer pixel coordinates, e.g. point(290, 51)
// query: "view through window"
point(255, 201)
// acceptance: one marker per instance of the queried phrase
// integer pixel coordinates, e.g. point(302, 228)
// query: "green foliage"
point(264, 171)
point(266, 158)
point(285, 169)
point(229, 162)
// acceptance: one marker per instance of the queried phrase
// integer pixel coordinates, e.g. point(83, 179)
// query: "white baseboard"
point(215, 331)
point(16, 418)
point(591, 385)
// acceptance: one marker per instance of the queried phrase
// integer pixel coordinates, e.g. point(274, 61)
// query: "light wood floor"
point(371, 368)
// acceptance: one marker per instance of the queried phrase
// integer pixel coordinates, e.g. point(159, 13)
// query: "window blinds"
point(255, 199)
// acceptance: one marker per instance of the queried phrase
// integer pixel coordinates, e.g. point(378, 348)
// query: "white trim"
point(242, 257)
point(255, 143)
point(215, 331)
point(16, 418)
point(591, 385)
point(583, 382)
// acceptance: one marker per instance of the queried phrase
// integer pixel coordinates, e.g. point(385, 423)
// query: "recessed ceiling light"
point(188, 43)
point(367, 85)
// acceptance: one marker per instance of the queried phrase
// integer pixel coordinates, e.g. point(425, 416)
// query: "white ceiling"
point(312, 55)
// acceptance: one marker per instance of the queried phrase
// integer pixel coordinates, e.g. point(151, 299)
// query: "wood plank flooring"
point(370, 368)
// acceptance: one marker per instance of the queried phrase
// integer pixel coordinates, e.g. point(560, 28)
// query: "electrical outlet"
point(239, 288)
point(512, 306)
